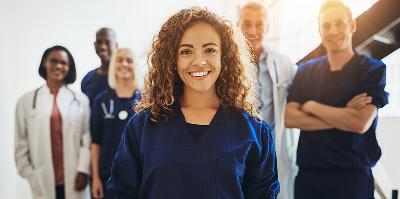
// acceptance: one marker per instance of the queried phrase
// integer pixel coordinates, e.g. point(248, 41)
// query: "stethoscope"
point(74, 99)
point(123, 114)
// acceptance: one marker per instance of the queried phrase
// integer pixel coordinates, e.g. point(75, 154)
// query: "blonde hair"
point(112, 80)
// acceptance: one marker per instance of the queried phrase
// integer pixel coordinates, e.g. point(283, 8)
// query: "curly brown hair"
point(163, 86)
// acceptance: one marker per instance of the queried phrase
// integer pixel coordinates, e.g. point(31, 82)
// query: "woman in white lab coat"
point(52, 135)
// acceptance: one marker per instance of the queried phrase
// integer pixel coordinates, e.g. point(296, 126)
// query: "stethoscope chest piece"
point(122, 115)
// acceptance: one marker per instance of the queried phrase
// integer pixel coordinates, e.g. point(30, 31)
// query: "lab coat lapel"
point(63, 99)
point(273, 73)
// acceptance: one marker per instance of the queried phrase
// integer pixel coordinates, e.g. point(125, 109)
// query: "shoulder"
point(89, 76)
point(81, 97)
point(312, 64)
point(255, 126)
point(371, 64)
point(137, 95)
point(99, 97)
point(275, 55)
point(139, 120)
point(285, 64)
point(27, 97)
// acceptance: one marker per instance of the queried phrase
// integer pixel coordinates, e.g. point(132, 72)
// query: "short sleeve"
point(96, 122)
point(373, 83)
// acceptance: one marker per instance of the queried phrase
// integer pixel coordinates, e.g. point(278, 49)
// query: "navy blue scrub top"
point(107, 132)
point(234, 158)
point(334, 148)
point(93, 84)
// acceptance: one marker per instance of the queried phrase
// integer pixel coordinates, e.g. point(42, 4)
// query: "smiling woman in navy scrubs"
point(197, 134)
point(110, 113)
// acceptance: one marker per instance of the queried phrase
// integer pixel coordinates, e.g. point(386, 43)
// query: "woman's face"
point(199, 58)
point(124, 67)
point(57, 66)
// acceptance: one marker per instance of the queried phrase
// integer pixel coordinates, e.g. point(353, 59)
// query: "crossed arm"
point(356, 117)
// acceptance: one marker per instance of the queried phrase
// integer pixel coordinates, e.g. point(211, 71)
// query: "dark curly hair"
point(163, 86)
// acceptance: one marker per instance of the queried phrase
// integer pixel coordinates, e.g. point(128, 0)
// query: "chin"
point(200, 89)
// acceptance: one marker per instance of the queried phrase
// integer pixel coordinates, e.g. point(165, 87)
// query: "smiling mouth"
point(199, 73)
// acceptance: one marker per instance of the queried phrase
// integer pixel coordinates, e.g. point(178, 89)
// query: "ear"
point(353, 26)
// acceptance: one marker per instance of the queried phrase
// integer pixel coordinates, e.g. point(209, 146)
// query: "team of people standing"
point(218, 117)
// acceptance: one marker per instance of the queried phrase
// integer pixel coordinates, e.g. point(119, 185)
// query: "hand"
point(359, 101)
point(97, 188)
point(80, 181)
point(308, 106)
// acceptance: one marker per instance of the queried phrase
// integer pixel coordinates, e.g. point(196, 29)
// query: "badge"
point(123, 115)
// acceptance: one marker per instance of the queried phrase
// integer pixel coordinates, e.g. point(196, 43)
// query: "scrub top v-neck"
point(234, 158)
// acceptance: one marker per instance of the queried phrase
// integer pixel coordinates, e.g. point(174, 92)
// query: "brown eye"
point(210, 50)
point(185, 52)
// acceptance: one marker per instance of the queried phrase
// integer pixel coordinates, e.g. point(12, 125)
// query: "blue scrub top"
point(93, 84)
point(107, 132)
point(334, 148)
point(234, 158)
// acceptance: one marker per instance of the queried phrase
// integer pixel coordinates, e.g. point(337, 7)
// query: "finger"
point(355, 99)
point(360, 105)
point(360, 100)
point(359, 96)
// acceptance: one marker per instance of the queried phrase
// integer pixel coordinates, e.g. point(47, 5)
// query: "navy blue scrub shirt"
point(334, 163)
point(107, 132)
point(93, 84)
point(234, 158)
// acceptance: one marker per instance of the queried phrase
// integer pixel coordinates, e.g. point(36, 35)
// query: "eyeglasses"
point(57, 61)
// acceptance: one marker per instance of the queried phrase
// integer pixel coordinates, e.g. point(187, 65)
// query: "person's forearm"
point(295, 118)
point(95, 151)
point(346, 119)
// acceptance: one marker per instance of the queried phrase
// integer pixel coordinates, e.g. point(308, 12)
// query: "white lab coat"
point(282, 72)
point(33, 154)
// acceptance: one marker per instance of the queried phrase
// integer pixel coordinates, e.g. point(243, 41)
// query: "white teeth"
point(199, 74)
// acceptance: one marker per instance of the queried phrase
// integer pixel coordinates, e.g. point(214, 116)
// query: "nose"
point(333, 30)
point(58, 65)
point(103, 46)
point(252, 30)
point(199, 59)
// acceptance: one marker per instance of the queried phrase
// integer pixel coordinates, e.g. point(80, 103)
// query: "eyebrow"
point(208, 44)
point(191, 46)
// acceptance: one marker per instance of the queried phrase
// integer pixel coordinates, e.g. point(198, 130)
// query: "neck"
point(197, 100)
point(103, 69)
point(54, 85)
point(125, 88)
point(337, 60)
point(257, 52)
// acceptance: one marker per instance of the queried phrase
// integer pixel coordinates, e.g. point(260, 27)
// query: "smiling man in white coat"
point(52, 135)
point(275, 73)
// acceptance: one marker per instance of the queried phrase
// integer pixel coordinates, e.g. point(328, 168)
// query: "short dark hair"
point(71, 76)
point(335, 4)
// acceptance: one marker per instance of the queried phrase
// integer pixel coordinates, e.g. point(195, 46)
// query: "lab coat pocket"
point(36, 184)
